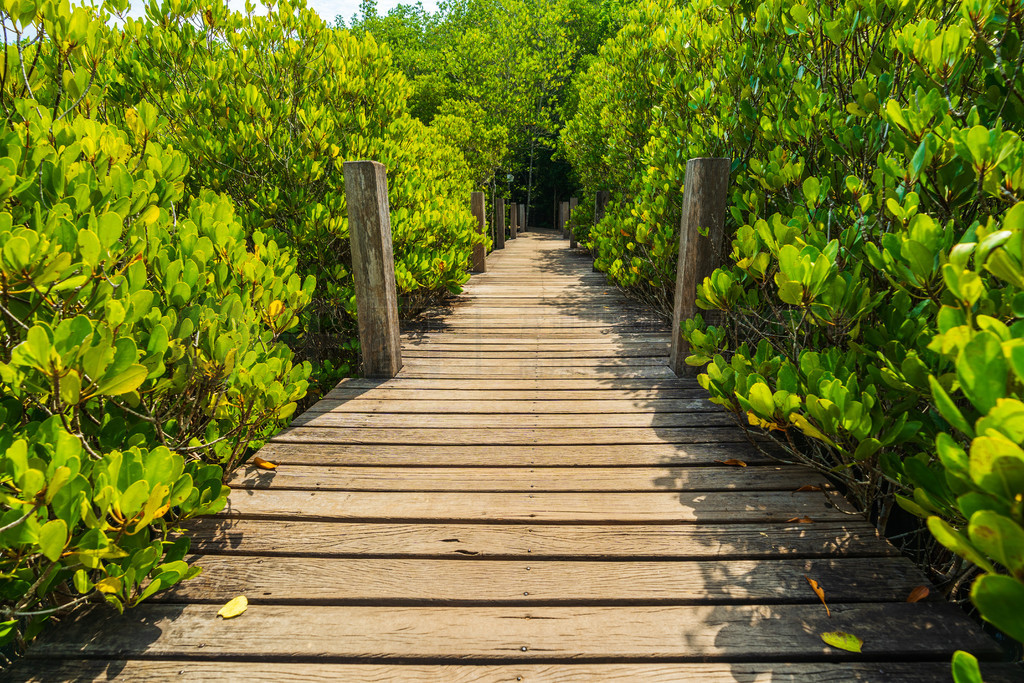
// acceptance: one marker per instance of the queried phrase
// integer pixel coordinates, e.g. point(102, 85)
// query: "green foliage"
point(874, 290)
point(218, 78)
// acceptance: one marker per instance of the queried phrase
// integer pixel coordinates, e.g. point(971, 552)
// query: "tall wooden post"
point(563, 218)
point(479, 261)
point(499, 223)
point(705, 192)
point(373, 267)
point(522, 218)
point(513, 220)
point(600, 203)
point(572, 235)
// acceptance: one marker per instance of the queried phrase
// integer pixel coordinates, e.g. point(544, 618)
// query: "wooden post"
point(600, 203)
point(373, 267)
point(513, 220)
point(705, 192)
point(479, 261)
point(563, 218)
point(572, 236)
point(499, 223)
point(522, 218)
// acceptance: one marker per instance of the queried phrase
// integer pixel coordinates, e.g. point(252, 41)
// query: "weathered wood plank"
point(712, 416)
point(465, 402)
point(143, 670)
point(600, 507)
point(508, 436)
point(845, 538)
point(609, 384)
point(569, 455)
point(524, 361)
point(720, 478)
point(541, 396)
point(778, 632)
point(333, 581)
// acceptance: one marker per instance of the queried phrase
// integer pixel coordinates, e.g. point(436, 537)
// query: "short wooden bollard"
point(522, 218)
point(705, 193)
point(513, 220)
point(479, 260)
point(373, 267)
point(563, 219)
point(572, 235)
point(499, 223)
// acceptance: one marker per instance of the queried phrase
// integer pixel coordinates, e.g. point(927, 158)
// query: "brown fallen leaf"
point(919, 593)
point(263, 464)
point(733, 461)
point(800, 520)
point(807, 487)
point(820, 592)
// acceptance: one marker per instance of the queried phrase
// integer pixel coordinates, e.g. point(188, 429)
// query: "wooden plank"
point(601, 507)
point(403, 455)
point(846, 538)
point(455, 352)
point(509, 436)
point(624, 384)
point(528, 372)
point(34, 671)
point(334, 581)
point(526, 361)
point(466, 403)
point(693, 633)
point(713, 416)
point(660, 400)
point(719, 478)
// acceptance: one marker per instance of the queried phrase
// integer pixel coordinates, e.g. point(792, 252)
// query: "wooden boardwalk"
point(534, 497)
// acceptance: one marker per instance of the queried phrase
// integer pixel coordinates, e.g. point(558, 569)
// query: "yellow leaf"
point(111, 584)
point(820, 592)
point(276, 307)
point(234, 607)
point(263, 464)
point(733, 461)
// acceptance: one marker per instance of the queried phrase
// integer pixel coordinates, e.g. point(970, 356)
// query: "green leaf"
point(947, 408)
point(760, 397)
point(124, 382)
point(999, 537)
point(981, 369)
point(843, 641)
point(811, 188)
point(955, 541)
point(965, 668)
point(53, 536)
point(1000, 599)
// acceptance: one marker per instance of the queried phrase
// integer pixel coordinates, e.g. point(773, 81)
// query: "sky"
point(327, 9)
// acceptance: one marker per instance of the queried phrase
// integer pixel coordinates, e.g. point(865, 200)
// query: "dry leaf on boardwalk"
point(733, 461)
point(843, 641)
point(234, 607)
point(807, 487)
point(820, 592)
point(263, 464)
point(919, 593)
point(800, 520)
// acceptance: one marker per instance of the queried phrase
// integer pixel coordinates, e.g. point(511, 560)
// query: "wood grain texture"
point(591, 507)
point(822, 539)
point(444, 420)
point(718, 478)
point(36, 671)
point(567, 436)
point(499, 223)
point(686, 633)
point(478, 258)
point(373, 268)
point(566, 455)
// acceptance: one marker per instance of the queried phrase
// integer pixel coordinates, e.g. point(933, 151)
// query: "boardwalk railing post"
point(373, 267)
point(513, 220)
point(479, 262)
point(563, 218)
point(499, 223)
point(705, 192)
point(522, 218)
point(572, 235)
